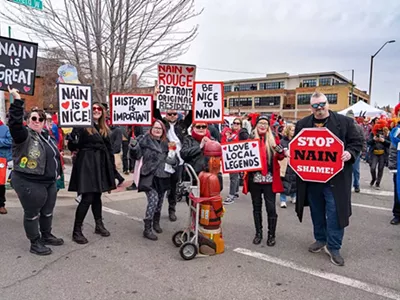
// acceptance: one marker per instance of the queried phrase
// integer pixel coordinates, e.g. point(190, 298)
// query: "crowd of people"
point(156, 155)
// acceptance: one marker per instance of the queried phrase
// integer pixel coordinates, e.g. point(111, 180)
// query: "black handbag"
point(145, 182)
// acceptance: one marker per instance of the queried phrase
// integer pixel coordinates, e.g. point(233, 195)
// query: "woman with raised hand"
point(92, 172)
point(36, 169)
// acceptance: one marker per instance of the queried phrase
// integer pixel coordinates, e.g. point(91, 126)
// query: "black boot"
point(258, 224)
point(156, 223)
point(148, 232)
point(100, 229)
point(172, 216)
point(38, 248)
point(271, 231)
point(77, 235)
point(132, 187)
point(49, 239)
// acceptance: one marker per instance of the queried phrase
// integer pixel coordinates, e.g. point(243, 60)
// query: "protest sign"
point(18, 65)
point(131, 109)
point(241, 156)
point(75, 105)
point(316, 154)
point(208, 102)
point(175, 86)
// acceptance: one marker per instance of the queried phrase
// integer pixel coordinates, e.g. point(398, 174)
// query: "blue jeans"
point(324, 216)
point(283, 196)
point(356, 173)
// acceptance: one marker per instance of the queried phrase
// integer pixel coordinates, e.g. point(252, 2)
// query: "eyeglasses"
point(236, 123)
point(97, 108)
point(316, 105)
point(35, 119)
point(171, 114)
point(201, 126)
point(263, 124)
point(157, 128)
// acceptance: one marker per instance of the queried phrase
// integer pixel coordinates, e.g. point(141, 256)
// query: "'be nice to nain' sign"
point(208, 102)
point(241, 156)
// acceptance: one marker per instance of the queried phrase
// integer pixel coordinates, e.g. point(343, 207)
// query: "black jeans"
point(377, 160)
point(89, 199)
point(2, 195)
point(38, 201)
point(127, 163)
point(175, 179)
point(396, 205)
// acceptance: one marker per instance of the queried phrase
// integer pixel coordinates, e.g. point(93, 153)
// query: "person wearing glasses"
point(154, 178)
point(36, 168)
point(235, 134)
point(176, 131)
point(330, 203)
point(93, 171)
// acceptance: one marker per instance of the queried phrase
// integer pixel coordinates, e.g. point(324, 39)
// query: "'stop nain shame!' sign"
point(18, 65)
point(241, 156)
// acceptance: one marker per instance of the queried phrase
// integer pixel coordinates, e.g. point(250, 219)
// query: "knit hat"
point(262, 118)
point(350, 114)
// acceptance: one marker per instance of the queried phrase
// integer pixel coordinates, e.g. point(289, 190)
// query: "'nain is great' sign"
point(241, 156)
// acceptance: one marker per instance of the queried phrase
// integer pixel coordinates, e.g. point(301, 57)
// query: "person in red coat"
point(267, 182)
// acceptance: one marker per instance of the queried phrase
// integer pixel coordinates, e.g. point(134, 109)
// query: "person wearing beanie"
point(267, 182)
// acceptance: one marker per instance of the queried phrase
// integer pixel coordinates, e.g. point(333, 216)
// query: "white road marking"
point(377, 192)
point(367, 287)
point(372, 207)
point(121, 213)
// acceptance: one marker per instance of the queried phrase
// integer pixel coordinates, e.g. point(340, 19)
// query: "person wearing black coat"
point(154, 179)
point(290, 177)
point(330, 203)
point(93, 171)
point(116, 144)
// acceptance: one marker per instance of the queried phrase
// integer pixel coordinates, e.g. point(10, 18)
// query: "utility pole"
point(352, 87)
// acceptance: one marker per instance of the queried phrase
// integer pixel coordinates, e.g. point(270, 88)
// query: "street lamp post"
point(372, 65)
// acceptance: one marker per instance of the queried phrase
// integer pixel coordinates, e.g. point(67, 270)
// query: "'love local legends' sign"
point(175, 86)
point(241, 156)
point(131, 109)
point(208, 102)
point(18, 65)
point(75, 102)
point(316, 154)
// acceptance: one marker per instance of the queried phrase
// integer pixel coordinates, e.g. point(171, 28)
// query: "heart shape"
point(65, 105)
point(190, 69)
point(85, 104)
point(27, 89)
point(224, 148)
point(254, 145)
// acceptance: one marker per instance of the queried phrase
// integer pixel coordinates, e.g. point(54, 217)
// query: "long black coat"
point(192, 154)
point(93, 170)
point(344, 128)
point(290, 180)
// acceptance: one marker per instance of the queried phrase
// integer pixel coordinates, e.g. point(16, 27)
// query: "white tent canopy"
point(362, 108)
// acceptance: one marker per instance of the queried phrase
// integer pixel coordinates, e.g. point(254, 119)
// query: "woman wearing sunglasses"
point(36, 169)
point(93, 171)
point(237, 133)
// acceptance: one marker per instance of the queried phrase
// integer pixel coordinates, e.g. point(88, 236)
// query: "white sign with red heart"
point(241, 157)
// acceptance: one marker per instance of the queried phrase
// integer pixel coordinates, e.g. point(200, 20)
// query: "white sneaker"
point(294, 200)
point(229, 201)
point(283, 205)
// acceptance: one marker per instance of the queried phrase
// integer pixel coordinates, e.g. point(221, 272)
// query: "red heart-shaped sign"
point(85, 104)
point(254, 145)
point(190, 69)
point(224, 148)
point(27, 89)
point(65, 105)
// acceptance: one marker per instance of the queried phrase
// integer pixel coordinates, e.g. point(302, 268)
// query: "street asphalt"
point(127, 266)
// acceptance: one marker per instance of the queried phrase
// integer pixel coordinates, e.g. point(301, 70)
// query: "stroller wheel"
point(188, 251)
point(178, 239)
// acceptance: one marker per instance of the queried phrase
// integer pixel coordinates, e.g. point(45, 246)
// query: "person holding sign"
point(330, 203)
point(266, 183)
point(93, 171)
point(36, 169)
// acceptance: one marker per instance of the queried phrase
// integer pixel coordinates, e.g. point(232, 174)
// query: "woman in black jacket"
point(36, 169)
point(92, 172)
point(152, 149)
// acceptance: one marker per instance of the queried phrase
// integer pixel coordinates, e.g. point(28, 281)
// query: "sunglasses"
point(201, 126)
point(171, 114)
point(236, 123)
point(97, 108)
point(35, 119)
point(316, 105)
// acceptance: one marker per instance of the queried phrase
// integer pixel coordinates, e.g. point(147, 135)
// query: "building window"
point(247, 87)
point(303, 99)
point(267, 101)
point(309, 82)
point(240, 102)
point(225, 103)
point(272, 85)
point(325, 81)
point(227, 88)
point(332, 98)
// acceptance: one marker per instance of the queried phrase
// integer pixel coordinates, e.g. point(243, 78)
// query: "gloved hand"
point(279, 149)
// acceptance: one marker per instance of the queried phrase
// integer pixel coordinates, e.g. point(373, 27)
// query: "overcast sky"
point(298, 36)
point(270, 36)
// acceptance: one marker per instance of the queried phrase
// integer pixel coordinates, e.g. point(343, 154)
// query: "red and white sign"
point(241, 157)
point(175, 86)
point(316, 155)
point(208, 102)
point(129, 109)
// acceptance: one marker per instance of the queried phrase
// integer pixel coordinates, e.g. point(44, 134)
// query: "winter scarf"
point(263, 156)
point(199, 137)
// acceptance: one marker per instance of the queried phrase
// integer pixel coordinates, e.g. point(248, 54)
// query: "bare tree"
point(109, 40)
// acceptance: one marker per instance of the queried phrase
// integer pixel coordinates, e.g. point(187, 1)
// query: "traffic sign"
point(36, 4)
point(316, 154)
